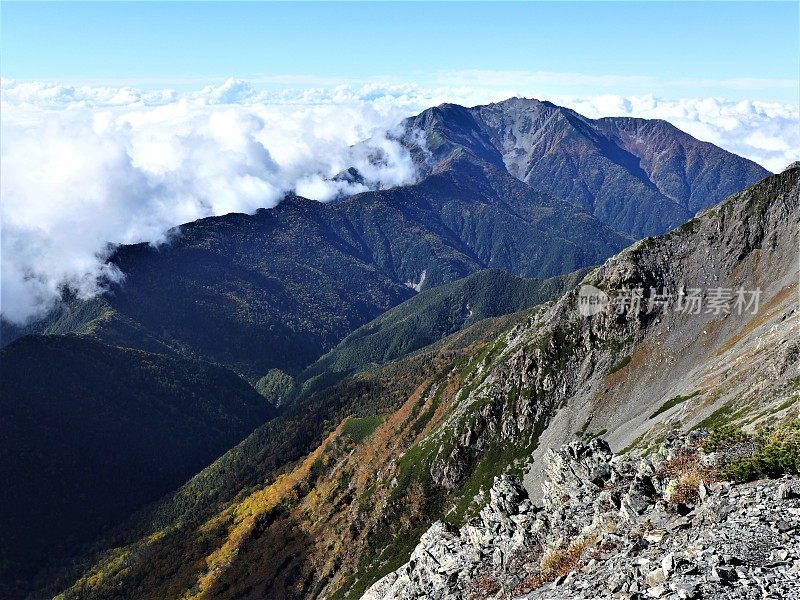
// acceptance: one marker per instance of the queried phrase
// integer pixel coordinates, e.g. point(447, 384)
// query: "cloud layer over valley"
point(81, 170)
point(85, 167)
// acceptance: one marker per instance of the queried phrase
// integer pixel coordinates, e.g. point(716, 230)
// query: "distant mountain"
point(642, 177)
point(91, 432)
point(279, 288)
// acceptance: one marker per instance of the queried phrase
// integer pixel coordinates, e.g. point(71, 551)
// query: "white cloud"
point(766, 132)
point(86, 166)
point(82, 169)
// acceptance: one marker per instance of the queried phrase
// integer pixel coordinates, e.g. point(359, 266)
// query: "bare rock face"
point(608, 530)
point(575, 473)
point(447, 560)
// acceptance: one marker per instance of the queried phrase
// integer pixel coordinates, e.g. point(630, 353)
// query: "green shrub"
point(724, 437)
point(741, 469)
point(673, 402)
point(776, 453)
point(620, 365)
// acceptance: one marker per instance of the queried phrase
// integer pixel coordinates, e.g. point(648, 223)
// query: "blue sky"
point(732, 50)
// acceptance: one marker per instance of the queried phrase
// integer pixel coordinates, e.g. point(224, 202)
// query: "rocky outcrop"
point(447, 560)
point(563, 372)
point(732, 541)
point(613, 527)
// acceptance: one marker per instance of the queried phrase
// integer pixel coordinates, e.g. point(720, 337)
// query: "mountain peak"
point(640, 176)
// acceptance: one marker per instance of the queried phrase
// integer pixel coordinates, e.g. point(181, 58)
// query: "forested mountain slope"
point(434, 314)
point(90, 432)
point(427, 434)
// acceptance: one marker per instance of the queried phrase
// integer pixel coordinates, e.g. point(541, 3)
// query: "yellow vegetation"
point(557, 563)
point(244, 516)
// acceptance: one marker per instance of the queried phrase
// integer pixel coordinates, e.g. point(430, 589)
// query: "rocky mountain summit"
point(641, 176)
point(658, 525)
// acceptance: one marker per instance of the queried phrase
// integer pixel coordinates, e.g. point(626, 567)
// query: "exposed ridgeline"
point(524, 186)
point(641, 176)
point(633, 376)
point(430, 431)
point(659, 526)
point(610, 372)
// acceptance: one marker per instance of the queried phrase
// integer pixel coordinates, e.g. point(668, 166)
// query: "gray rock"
point(788, 489)
point(686, 590)
point(634, 547)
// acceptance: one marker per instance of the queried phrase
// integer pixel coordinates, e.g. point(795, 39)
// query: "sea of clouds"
point(85, 168)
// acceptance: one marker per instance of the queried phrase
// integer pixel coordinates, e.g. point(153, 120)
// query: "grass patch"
point(360, 428)
point(634, 444)
point(582, 431)
point(776, 452)
point(596, 434)
point(722, 416)
point(685, 473)
point(787, 403)
point(673, 402)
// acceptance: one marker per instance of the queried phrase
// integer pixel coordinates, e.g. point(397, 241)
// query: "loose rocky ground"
point(659, 526)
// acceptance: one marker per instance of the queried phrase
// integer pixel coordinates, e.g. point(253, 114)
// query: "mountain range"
point(522, 185)
point(421, 439)
point(381, 316)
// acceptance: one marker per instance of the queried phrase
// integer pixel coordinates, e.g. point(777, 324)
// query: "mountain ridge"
point(526, 136)
point(356, 505)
